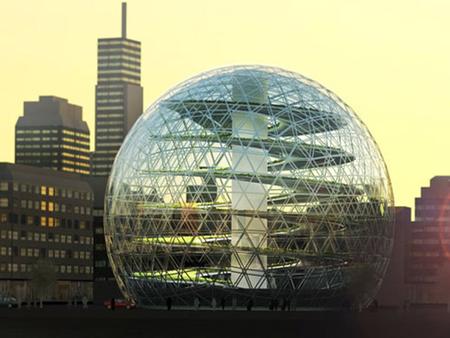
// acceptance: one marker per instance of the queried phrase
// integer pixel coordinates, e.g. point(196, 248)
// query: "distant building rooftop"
point(52, 111)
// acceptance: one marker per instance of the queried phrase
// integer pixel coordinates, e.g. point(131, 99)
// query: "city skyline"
point(343, 46)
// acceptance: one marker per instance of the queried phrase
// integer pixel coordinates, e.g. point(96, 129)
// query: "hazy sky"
point(389, 60)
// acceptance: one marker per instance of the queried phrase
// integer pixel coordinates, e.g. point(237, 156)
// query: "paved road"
point(59, 322)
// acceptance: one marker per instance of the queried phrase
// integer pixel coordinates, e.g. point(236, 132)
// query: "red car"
point(119, 303)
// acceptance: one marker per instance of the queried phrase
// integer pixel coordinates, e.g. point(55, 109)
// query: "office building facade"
point(105, 286)
point(118, 98)
point(393, 291)
point(45, 215)
point(428, 249)
point(52, 134)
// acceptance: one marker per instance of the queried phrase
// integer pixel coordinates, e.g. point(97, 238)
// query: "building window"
point(3, 186)
point(4, 202)
point(51, 206)
point(43, 206)
point(51, 191)
point(43, 221)
point(100, 264)
point(13, 218)
point(43, 190)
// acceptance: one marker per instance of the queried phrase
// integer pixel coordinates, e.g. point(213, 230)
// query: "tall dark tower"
point(118, 99)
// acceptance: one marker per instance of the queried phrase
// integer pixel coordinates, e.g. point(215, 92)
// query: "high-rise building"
point(118, 100)
point(105, 286)
point(45, 216)
point(392, 292)
point(52, 134)
point(428, 249)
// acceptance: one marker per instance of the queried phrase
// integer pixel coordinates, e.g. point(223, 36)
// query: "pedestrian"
point(214, 304)
point(294, 304)
point(196, 303)
point(84, 300)
point(271, 305)
point(169, 303)
point(275, 304)
point(283, 304)
point(222, 303)
point(249, 304)
point(234, 303)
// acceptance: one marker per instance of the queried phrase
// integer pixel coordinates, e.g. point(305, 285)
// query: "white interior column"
point(249, 232)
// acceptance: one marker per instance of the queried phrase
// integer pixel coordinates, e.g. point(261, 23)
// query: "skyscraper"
point(428, 249)
point(118, 100)
point(52, 134)
point(393, 289)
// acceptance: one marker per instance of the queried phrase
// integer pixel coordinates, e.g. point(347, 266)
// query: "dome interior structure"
point(249, 182)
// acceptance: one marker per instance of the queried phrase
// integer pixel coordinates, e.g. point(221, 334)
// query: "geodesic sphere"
point(249, 183)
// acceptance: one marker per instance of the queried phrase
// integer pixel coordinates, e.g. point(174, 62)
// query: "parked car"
point(7, 301)
point(119, 303)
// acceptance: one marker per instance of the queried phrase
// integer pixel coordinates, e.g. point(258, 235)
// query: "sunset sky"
point(389, 60)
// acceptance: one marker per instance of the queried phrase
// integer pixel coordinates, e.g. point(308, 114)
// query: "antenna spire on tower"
point(124, 20)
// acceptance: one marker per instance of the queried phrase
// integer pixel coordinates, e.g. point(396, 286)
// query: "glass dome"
point(249, 183)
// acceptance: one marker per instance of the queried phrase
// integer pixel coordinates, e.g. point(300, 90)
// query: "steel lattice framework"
point(249, 182)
